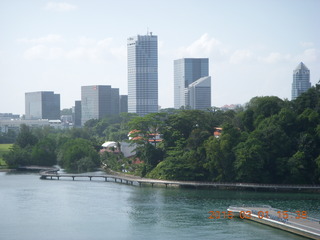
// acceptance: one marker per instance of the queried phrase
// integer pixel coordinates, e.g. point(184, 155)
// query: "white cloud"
point(240, 56)
point(199, 48)
point(309, 55)
point(43, 52)
point(119, 52)
point(276, 57)
point(60, 6)
point(85, 41)
point(50, 38)
point(90, 49)
point(307, 44)
point(84, 49)
point(104, 43)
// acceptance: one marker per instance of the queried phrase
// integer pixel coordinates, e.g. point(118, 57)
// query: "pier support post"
point(58, 178)
point(152, 184)
point(115, 179)
point(90, 177)
point(126, 181)
point(139, 184)
point(106, 179)
point(121, 180)
point(166, 185)
point(73, 178)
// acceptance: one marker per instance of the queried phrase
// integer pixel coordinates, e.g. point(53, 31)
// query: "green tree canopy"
point(78, 155)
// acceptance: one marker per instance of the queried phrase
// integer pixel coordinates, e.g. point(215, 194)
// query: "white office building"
point(187, 71)
point(301, 80)
point(199, 94)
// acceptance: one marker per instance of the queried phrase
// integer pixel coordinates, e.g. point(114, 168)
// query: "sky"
point(253, 46)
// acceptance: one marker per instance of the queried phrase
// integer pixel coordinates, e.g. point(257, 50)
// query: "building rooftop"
point(301, 66)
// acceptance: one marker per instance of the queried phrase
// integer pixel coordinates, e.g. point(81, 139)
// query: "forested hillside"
point(267, 141)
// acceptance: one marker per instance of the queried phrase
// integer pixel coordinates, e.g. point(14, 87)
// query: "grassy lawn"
point(4, 148)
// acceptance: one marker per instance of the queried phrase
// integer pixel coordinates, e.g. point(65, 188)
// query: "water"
point(34, 209)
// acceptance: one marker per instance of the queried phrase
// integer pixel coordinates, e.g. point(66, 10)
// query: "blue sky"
point(252, 45)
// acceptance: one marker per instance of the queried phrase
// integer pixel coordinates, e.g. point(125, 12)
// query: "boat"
point(297, 222)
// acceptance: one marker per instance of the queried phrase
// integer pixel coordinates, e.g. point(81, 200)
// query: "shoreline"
point(7, 170)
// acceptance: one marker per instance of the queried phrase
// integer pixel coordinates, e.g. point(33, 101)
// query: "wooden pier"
point(298, 223)
point(51, 175)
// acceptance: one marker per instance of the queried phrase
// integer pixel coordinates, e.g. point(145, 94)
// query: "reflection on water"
point(45, 209)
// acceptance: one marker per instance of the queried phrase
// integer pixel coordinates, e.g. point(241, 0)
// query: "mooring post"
point(152, 184)
point(58, 178)
point(106, 179)
point(166, 185)
point(115, 179)
point(90, 177)
point(121, 180)
point(73, 178)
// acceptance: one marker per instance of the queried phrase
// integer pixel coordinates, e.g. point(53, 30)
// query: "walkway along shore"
point(54, 175)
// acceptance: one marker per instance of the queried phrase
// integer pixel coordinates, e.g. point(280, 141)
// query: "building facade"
point(143, 74)
point(123, 104)
point(199, 94)
point(301, 80)
point(187, 71)
point(8, 116)
point(77, 114)
point(42, 105)
point(115, 101)
point(98, 101)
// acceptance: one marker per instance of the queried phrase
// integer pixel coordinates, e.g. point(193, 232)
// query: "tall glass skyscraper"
point(187, 71)
point(301, 80)
point(143, 74)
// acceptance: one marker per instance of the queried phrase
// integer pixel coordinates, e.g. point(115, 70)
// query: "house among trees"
point(217, 132)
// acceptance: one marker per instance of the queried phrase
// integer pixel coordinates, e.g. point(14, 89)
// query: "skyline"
point(253, 46)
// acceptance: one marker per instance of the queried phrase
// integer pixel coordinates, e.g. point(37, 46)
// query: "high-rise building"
point(42, 105)
point(143, 74)
point(187, 71)
point(98, 101)
point(301, 80)
point(115, 101)
point(77, 114)
point(123, 103)
point(199, 94)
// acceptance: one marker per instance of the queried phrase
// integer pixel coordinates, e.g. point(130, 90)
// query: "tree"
point(43, 153)
point(78, 154)
point(18, 156)
point(260, 108)
point(297, 169)
point(26, 137)
point(249, 164)
point(180, 165)
point(220, 154)
point(309, 99)
point(8, 137)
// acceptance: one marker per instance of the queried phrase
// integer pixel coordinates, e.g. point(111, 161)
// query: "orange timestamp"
point(280, 215)
point(220, 214)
